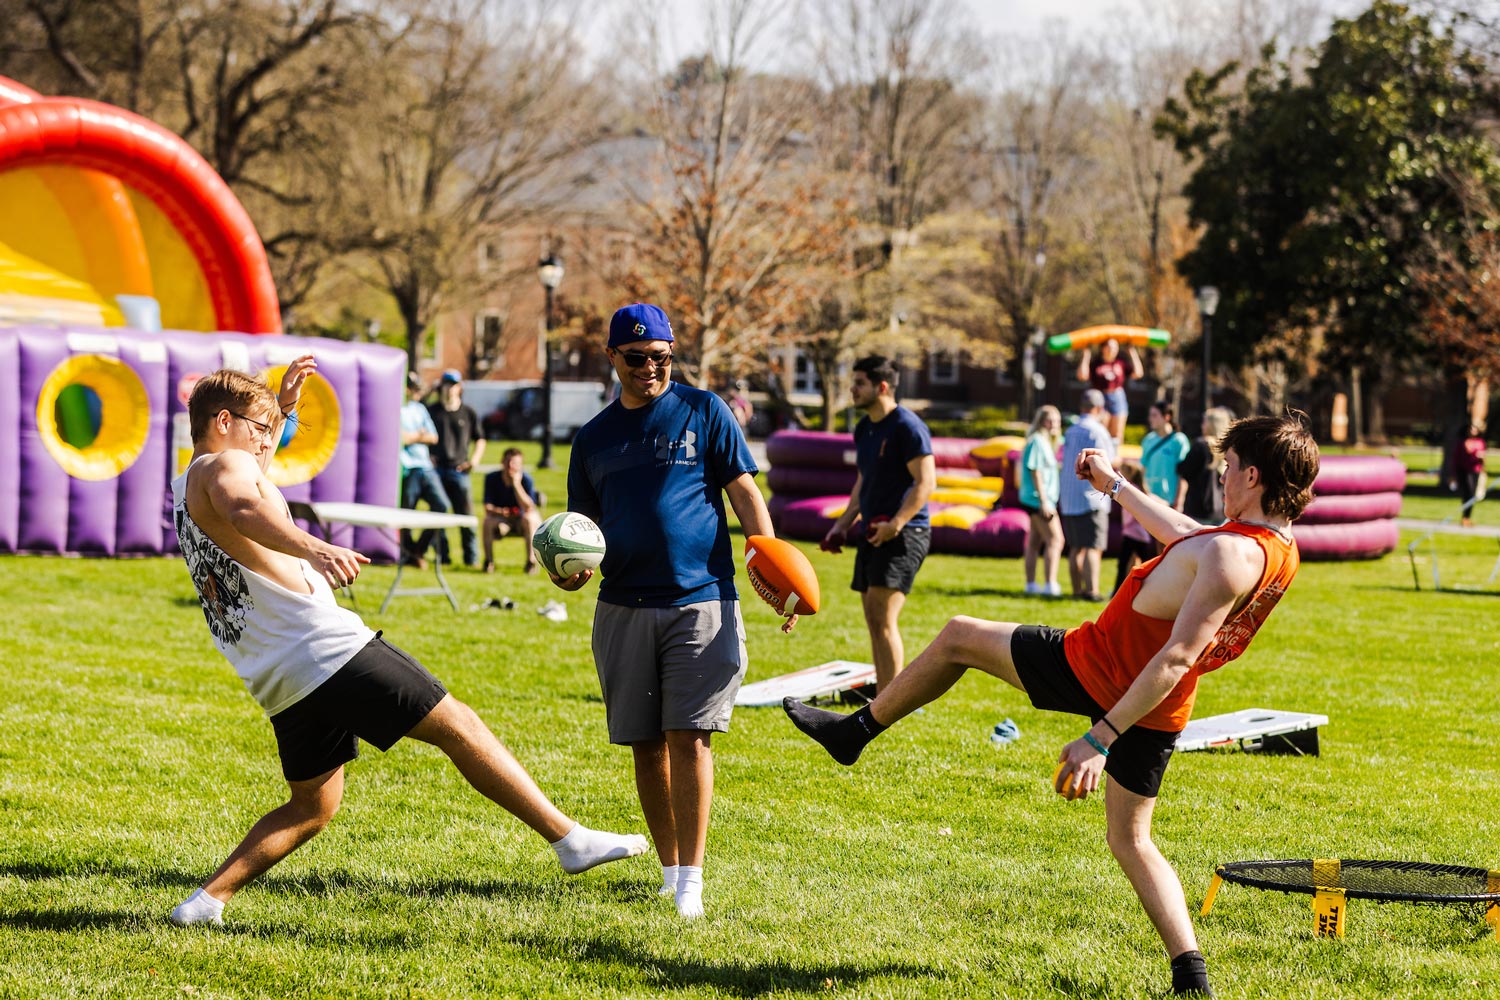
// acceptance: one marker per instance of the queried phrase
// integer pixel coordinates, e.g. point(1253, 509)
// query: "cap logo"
point(640, 329)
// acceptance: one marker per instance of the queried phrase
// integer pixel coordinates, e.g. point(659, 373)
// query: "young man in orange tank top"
point(1134, 671)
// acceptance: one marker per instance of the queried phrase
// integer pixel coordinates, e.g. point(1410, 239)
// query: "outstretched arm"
point(1137, 370)
point(1220, 579)
point(1083, 365)
point(235, 495)
point(1164, 522)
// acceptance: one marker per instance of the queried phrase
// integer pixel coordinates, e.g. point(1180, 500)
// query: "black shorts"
point(894, 564)
point(1138, 757)
point(378, 697)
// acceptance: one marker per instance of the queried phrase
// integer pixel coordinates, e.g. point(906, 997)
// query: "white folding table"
point(392, 520)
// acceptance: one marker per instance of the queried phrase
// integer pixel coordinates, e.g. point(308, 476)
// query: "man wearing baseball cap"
point(652, 470)
point(460, 446)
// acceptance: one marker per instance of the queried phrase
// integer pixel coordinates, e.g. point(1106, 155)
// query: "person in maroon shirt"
point(1468, 466)
point(1109, 375)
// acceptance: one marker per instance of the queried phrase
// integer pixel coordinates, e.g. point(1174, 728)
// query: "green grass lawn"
point(131, 761)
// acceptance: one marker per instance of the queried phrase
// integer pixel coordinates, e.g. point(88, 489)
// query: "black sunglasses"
point(637, 359)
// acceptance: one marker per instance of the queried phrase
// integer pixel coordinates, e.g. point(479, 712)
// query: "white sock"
point(689, 892)
point(199, 908)
point(583, 848)
point(668, 881)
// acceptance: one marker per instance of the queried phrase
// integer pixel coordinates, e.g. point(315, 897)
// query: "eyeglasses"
point(265, 429)
point(638, 359)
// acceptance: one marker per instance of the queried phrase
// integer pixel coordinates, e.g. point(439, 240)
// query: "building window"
point(488, 327)
point(489, 256)
point(804, 375)
point(942, 368)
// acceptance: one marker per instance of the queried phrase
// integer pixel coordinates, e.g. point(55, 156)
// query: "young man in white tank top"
point(324, 679)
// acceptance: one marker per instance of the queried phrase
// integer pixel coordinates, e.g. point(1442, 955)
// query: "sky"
point(610, 25)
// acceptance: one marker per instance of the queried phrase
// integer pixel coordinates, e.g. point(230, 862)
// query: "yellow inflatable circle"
point(124, 416)
point(315, 437)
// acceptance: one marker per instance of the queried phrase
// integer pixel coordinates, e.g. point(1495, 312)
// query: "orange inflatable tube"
point(1140, 336)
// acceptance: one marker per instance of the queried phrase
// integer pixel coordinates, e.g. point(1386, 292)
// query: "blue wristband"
point(1089, 739)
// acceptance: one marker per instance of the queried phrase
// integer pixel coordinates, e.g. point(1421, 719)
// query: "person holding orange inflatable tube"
point(1134, 672)
point(1109, 375)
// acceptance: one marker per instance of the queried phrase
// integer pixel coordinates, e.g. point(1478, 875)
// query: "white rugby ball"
point(568, 543)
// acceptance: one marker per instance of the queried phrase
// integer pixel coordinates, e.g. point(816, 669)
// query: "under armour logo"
point(685, 450)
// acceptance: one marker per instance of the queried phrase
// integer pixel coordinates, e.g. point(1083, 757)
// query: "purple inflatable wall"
point(46, 509)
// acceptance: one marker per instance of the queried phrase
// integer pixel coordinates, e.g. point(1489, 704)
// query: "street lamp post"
point(1208, 304)
point(549, 270)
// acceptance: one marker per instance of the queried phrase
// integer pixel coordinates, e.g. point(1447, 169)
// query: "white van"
point(513, 409)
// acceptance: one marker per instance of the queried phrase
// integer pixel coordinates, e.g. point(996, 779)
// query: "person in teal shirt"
point(1161, 449)
point(1039, 485)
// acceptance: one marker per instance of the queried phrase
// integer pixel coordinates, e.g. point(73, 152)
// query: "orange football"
point(781, 575)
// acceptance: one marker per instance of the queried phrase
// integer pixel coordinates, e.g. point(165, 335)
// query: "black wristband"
point(1105, 719)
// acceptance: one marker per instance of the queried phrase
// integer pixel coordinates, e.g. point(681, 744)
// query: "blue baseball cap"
point(451, 377)
point(636, 322)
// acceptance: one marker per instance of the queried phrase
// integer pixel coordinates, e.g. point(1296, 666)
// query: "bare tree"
point(1037, 152)
point(257, 86)
point(477, 113)
point(729, 208)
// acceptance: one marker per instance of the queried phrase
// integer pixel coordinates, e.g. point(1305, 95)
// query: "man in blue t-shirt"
point(652, 469)
point(1084, 510)
point(419, 479)
point(897, 474)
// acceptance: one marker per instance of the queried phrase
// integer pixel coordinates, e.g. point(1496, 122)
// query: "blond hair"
point(226, 389)
point(1040, 420)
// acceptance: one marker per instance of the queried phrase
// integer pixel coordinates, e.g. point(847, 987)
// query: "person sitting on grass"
point(510, 505)
point(325, 680)
point(1135, 671)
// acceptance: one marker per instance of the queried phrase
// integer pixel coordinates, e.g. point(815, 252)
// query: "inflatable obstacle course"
point(93, 426)
point(974, 511)
point(112, 228)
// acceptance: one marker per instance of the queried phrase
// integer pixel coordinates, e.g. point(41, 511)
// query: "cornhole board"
point(824, 680)
point(1256, 730)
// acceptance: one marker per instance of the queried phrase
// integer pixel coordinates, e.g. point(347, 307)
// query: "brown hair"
point(230, 390)
point(505, 458)
point(1284, 451)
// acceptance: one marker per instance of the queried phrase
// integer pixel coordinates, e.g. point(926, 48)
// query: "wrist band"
point(1105, 719)
point(1114, 488)
point(1089, 739)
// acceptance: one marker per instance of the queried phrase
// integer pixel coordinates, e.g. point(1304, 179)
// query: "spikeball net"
point(1331, 882)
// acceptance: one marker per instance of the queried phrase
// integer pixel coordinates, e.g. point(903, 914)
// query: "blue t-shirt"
point(414, 418)
point(1040, 456)
point(499, 493)
point(653, 479)
point(1159, 458)
point(882, 450)
point(1077, 496)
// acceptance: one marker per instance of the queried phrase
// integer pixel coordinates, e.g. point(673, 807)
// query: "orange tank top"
point(1109, 654)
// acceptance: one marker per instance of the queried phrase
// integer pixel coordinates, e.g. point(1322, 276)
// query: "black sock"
point(843, 736)
point(1190, 975)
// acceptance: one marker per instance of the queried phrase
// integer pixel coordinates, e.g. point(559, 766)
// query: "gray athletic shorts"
point(1087, 531)
point(664, 669)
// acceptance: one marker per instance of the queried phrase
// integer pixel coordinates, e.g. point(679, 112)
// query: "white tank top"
point(281, 643)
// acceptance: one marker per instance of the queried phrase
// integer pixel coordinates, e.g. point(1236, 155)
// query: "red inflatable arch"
point(163, 168)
